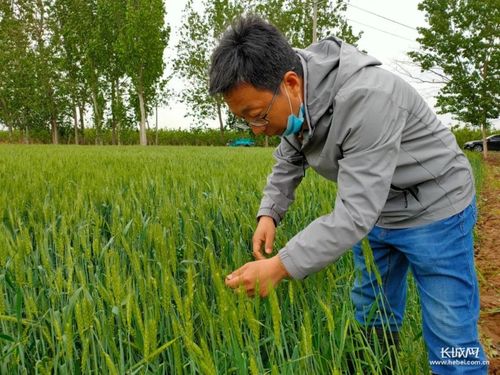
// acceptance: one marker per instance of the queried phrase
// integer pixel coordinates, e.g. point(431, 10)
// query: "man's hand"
point(267, 272)
point(264, 235)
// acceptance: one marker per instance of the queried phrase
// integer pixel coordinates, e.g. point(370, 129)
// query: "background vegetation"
point(194, 137)
point(102, 64)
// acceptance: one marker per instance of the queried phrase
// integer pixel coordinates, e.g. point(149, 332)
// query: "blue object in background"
point(241, 142)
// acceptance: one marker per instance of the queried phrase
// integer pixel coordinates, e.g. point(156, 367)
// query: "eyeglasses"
point(263, 121)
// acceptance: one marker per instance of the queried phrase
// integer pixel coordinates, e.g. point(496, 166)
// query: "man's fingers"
point(257, 244)
point(239, 271)
point(269, 244)
point(258, 255)
point(235, 278)
point(233, 281)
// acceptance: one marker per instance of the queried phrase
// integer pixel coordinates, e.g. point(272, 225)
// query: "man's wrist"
point(268, 212)
point(268, 217)
point(282, 272)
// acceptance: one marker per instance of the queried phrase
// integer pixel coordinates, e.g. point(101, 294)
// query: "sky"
point(386, 40)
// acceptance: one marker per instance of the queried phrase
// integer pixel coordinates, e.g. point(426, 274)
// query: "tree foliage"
point(60, 56)
point(294, 19)
point(204, 24)
point(15, 60)
point(462, 40)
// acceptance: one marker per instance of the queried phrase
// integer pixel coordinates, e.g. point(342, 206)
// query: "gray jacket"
point(396, 165)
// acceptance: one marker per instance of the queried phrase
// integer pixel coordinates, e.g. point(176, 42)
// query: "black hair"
point(253, 51)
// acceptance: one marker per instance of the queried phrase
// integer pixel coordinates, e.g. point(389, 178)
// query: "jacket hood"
point(327, 65)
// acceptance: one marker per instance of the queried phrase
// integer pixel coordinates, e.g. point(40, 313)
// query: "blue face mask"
point(294, 123)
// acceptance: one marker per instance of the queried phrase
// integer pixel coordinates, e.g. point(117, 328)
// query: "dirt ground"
point(488, 262)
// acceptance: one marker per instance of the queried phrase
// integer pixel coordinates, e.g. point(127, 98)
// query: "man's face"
point(251, 104)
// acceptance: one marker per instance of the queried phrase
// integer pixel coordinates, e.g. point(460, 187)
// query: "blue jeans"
point(441, 258)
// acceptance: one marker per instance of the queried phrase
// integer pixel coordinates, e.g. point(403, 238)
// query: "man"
point(402, 181)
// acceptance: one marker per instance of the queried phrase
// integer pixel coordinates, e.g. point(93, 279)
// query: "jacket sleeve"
point(370, 140)
point(286, 175)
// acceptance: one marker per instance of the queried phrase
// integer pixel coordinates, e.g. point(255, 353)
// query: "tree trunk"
point(26, 136)
point(97, 119)
point(53, 115)
point(118, 134)
point(485, 142)
point(53, 130)
point(118, 123)
point(484, 122)
point(221, 123)
point(82, 123)
point(315, 22)
point(156, 125)
point(75, 123)
point(113, 113)
point(6, 119)
point(266, 141)
point(143, 136)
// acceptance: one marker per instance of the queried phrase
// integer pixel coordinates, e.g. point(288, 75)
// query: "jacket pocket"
point(411, 191)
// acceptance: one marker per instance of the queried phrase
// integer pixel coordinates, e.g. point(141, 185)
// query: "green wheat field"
point(113, 259)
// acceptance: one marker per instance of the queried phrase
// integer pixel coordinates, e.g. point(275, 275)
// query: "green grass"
point(113, 260)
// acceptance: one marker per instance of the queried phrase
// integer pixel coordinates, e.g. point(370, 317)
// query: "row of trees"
point(64, 60)
point(61, 57)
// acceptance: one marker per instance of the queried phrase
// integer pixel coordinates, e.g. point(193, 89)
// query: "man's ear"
point(293, 83)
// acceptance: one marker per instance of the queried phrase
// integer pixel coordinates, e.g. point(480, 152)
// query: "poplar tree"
point(142, 43)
